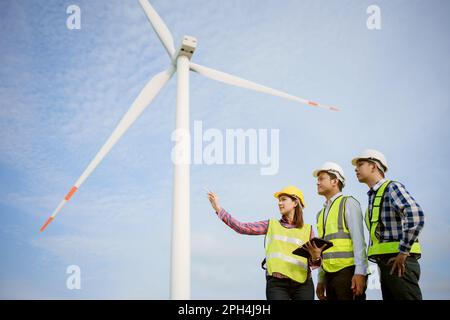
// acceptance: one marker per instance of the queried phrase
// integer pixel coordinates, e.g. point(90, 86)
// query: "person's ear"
point(334, 181)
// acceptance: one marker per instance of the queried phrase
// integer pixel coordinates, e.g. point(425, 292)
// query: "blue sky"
point(63, 91)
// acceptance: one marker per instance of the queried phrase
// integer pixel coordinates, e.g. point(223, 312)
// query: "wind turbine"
point(180, 62)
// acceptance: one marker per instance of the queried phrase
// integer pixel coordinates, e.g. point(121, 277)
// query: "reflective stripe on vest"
point(280, 242)
point(295, 241)
point(333, 229)
point(372, 219)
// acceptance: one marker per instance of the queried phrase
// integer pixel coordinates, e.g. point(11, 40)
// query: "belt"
point(385, 257)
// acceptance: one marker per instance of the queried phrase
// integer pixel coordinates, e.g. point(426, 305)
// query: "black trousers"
point(394, 287)
point(338, 285)
point(287, 289)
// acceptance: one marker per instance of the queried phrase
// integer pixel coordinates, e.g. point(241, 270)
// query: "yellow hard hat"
point(292, 191)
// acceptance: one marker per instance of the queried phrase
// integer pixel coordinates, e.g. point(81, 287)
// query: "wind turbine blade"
point(159, 26)
point(239, 82)
point(145, 97)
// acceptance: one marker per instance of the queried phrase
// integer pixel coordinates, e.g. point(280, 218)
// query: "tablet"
point(301, 251)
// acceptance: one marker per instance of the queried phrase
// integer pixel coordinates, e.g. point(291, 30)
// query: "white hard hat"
point(332, 168)
point(374, 156)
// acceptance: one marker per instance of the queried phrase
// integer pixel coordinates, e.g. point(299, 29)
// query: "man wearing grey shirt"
point(344, 268)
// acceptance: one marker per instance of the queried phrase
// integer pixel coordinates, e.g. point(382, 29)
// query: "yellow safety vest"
point(279, 244)
point(334, 229)
point(373, 218)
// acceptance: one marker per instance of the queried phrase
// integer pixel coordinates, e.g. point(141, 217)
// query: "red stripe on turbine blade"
point(312, 103)
point(46, 223)
point(70, 194)
point(334, 109)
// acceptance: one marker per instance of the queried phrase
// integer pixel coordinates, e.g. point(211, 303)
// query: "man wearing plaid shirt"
point(394, 220)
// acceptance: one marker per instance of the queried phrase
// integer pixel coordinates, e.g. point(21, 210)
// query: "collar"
point(329, 202)
point(376, 186)
point(283, 219)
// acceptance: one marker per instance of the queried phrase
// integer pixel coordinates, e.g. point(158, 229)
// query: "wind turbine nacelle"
point(188, 46)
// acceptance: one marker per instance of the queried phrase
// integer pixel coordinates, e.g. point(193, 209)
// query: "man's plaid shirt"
point(401, 217)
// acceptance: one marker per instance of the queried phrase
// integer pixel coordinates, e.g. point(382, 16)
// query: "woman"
point(288, 276)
